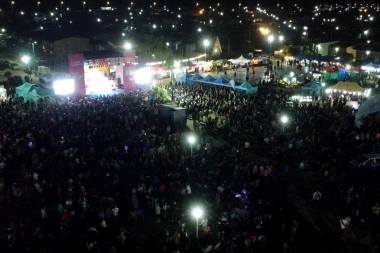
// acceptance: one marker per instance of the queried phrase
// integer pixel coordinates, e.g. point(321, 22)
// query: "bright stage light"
point(64, 87)
point(143, 76)
point(97, 83)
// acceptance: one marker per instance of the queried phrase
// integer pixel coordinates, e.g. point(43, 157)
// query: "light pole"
point(176, 65)
point(191, 141)
point(38, 6)
point(205, 43)
point(34, 59)
point(84, 3)
point(270, 39)
point(367, 53)
point(197, 213)
point(284, 120)
point(323, 92)
point(26, 59)
point(61, 5)
point(12, 3)
point(336, 50)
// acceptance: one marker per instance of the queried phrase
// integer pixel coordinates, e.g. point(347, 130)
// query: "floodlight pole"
point(196, 230)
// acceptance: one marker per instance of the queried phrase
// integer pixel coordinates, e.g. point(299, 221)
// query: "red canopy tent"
point(330, 70)
point(355, 69)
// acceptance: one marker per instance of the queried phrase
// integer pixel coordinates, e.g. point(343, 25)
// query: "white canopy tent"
point(350, 87)
point(242, 59)
point(368, 67)
point(3, 92)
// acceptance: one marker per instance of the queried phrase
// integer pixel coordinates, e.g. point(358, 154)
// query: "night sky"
point(48, 5)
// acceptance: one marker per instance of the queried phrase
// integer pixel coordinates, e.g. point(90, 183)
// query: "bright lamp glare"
point(197, 212)
point(143, 75)
point(64, 87)
point(25, 59)
point(191, 139)
point(284, 119)
point(128, 46)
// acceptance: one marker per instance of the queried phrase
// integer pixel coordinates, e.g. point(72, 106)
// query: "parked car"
point(4, 64)
point(367, 162)
point(3, 79)
point(14, 66)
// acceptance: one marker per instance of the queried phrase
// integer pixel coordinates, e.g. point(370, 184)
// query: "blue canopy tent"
point(221, 81)
point(194, 79)
point(247, 87)
point(208, 78)
point(312, 88)
point(183, 77)
point(32, 93)
point(300, 56)
point(369, 106)
point(342, 74)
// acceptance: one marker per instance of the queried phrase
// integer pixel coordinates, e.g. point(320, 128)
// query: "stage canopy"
point(347, 87)
point(312, 88)
point(369, 106)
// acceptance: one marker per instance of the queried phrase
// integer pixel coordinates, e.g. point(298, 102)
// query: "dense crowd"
point(109, 174)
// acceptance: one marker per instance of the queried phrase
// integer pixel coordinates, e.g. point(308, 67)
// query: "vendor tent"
point(3, 92)
point(247, 87)
point(300, 56)
point(342, 74)
point(221, 81)
point(181, 78)
point(289, 79)
point(369, 67)
point(194, 79)
point(32, 93)
point(242, 59)
point(312, 88)
point(208, 78)
point(330, 74)
point(27, 91)
point(369, 106)
point(347, 87)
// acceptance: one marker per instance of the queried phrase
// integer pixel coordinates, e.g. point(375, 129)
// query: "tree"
point(160, 94)
point(247, 47)
point(345, 57)
point(290, 50)
point(154, 50)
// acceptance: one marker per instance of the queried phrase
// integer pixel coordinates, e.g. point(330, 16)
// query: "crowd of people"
point(107, 173)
